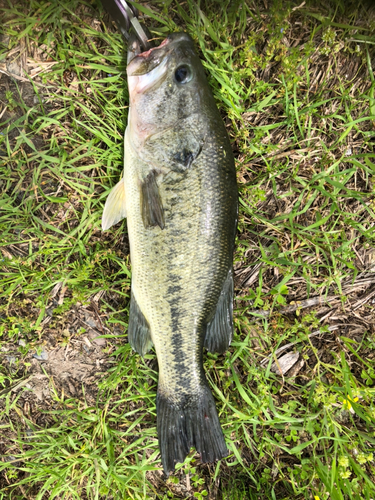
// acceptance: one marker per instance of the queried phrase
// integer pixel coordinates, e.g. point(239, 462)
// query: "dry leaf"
point(285, 363)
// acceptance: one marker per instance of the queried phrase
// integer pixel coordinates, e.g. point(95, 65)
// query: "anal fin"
point(151, 204)
point(219, 331)
point(139, 334)
point(114, 208)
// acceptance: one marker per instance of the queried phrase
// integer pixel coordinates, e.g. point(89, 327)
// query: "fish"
point(179, 195)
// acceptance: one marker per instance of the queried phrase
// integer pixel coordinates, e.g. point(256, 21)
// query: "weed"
point(295, 86)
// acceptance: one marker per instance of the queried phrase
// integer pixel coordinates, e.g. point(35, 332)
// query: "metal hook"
point(126, 18)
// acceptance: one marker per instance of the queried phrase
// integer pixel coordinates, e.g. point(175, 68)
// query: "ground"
point(294, 82)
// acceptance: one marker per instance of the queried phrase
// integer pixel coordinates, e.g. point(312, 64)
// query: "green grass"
point(295, 85)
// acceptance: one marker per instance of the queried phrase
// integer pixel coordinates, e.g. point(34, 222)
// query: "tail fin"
point(194, 423)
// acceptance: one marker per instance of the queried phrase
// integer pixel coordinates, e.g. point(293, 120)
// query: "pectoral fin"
point(151, 204)
point(114, 208)
point(219, 331)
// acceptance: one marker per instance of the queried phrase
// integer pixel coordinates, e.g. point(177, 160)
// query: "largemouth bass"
point(179, 195)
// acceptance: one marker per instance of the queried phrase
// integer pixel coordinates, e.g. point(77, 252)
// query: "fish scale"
point(172, 270)
point(180, 194)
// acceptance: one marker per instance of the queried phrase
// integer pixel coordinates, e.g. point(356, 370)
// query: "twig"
point(286, 346)
point(16, 77)
point(188, 487)
point(281, 155)
point(346, 289)
point(363, 300)
point(96, 311)
point(293, 307)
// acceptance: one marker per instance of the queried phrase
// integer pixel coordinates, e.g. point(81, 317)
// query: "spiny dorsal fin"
point(114, 208)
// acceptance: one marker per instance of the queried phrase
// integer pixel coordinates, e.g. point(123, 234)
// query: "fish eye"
point(183, 74)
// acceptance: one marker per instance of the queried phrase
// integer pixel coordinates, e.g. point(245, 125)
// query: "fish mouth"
point(142, 63)
point(146, 69)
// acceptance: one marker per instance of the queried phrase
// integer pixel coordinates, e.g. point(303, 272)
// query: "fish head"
point(166, 85)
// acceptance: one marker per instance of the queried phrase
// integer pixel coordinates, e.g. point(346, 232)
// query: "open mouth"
point(140, 63)
point(147, 68)
point(149, 51)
